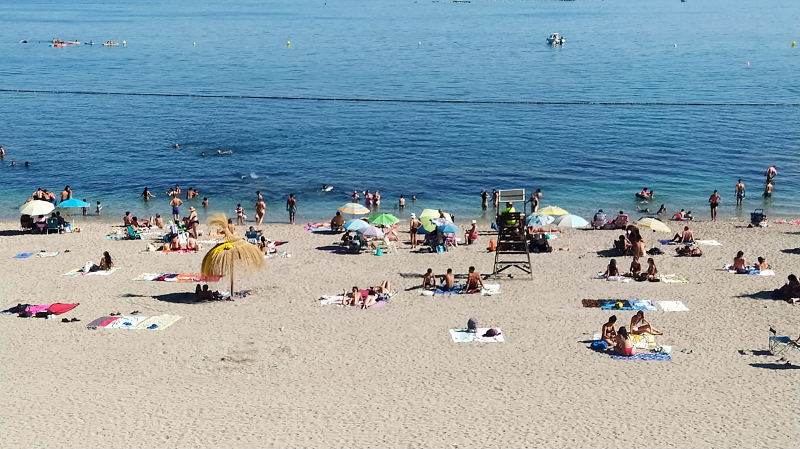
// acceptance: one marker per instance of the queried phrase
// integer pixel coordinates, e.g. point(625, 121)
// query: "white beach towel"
point(708, 242)
point(326, 300)
point(672, 306)
point(490, 289)
point(673, 279)
point(462, 336)
point(43, 254)
point(100, 272)
point(126, 322)
point(158, 322)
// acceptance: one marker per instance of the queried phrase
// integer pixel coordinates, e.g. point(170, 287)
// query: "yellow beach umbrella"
point(354, 208)
point(653, 224)
point(552, 210)
point(232, 250)
point(431, 214)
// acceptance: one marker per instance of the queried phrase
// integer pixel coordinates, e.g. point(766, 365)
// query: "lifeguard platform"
point(512, 234)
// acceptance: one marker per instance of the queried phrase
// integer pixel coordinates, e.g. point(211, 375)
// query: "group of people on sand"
point(448, 281)
point(366, 298)
point(741, 267)
point(620, 340)
point(635, 271)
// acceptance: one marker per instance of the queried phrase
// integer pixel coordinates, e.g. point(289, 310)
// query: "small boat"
point(89, 43)
point(59, 44)
point(555, 40)
point(74, 42)
point(110, 44)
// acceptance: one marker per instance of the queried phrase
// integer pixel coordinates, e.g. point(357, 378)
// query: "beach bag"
point(439, 249)
point(655, 251)
point(378, 252)
point(472, 325)
point(599, 345)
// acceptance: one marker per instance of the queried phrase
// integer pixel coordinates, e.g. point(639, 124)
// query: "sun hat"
point(191, 209)
point(474, 221)
point(413, 215)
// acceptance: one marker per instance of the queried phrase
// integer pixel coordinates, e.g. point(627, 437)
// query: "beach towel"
point(37, 308)
point(178, 251)
point(326, 300)
point(751, 271)
point(463, 336)
point(73, 273)
point(490, 289)
point(607, 304)
point(613, 278)
point(147, 276)
point(116, 237)
point(642, 356)
point(673, 279)
point(209, 242)
point(708, 242)
point(158, 322)
point(672, 306)
point(100, 272)
point(644, 341)
point(667, 242)
point(125, 322)
point(320, 229)
point(59, 308)
point(22, 256)
point(456, 289)
point(642, 304)
point(44, 254)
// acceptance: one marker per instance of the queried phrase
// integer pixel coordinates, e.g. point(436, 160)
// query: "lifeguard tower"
point(512, 234)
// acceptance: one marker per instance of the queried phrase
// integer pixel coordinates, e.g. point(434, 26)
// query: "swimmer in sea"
point(176, 146)
point(203, 154)
point(27, 164)
point(224, 152)
point(326, 188)
point(13, 164)
point(768, 190)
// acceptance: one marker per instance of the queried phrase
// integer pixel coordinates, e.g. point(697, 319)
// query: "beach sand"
point(276, 369)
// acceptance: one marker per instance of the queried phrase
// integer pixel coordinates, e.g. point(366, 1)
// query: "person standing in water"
point(768, 190)
point(739, 193)
point(402, 202)
point(291, 206)
point(484, 199)
point(146, 194)
point(713, 201)
point(771, 173)
point(176, 211)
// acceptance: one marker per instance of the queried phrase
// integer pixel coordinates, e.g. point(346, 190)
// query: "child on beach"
point(99, 207)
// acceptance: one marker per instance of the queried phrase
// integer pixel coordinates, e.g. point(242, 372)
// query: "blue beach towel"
point(643, 304)
point(22, 256)
point(456, 289)
point(611, 303)
point(644, 356)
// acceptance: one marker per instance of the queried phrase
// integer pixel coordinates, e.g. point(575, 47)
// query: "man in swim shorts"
point(473, 280)
point(713, 201)
point(176, 211)
point(771, 173)
point(291, 206)
point(768, 190)
point(739, 193)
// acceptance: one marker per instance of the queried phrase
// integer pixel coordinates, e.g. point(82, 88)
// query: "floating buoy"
point(194, 43)
point(792, 43)
point(748, 63)
point(420, 43)
point(288, 43)
point(123, 43)
point(675, 45)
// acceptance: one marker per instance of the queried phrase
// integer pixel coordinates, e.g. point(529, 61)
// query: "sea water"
point(682, 98)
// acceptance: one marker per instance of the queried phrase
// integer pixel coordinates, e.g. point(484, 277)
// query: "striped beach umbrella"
point(552, 210)
point(354, 209)
point(653, 224)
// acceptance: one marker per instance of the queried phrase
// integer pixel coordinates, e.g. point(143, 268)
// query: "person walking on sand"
point(415, 224)
point(291, 206)
point(713, 201)
point(739, 193)
point(176, 211)
point(261, 210)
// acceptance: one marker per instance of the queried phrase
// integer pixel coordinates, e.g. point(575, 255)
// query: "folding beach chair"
point(779, 344)
point(52, 225)
point(133, 235)
point(252, 237)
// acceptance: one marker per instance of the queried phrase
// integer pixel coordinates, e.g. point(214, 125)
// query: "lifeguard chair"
point(512, 235)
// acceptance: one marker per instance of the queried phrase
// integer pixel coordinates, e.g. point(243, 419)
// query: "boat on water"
point(554, 39)
point(74, 42)
point(58, 43)
point(89, 43)
point(110, 44)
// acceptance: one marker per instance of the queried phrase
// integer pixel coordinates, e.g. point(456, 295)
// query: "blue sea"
point(434, 99)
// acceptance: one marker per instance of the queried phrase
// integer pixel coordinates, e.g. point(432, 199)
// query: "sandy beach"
point(277, 369)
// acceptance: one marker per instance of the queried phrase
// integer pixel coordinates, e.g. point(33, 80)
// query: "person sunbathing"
point(686, 237)
point(106, 263)
point(636, 268)
point(384, 288)
point(159, 221)
point(353, 298)
point(739, 263)
point(204, 294)
point(191, 243)
point(473, 280)
point(392, 236)
point(790, 292)
point(611, 269)
point(623, 345)
point(608, 332)
point(652, 271)
point(429, 280)
point(639, 325)
point(762, 264)
point(448, 281)
point(346, 239)
point(689, 251)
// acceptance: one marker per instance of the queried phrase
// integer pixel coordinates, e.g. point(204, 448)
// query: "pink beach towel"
point(59, 308)
point(37, 308)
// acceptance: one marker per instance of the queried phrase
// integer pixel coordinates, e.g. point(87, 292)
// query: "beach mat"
point(672, 306)
point(463, 336)
point(624, 304)
point(100, 272)
point(490, 289)
point(59, 308)
point(751, 272)
point(673, 279)
point(158, 322)
point(456, 289)
point(328, 229)
point(642, 356)
point(708, 242)
point(22, 256)
point(44, 254)
point(147, 276)
point(125, 322)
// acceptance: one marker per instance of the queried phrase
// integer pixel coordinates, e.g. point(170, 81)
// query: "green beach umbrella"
point(383, 219)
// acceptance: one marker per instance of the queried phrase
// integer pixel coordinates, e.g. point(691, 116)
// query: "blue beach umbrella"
point(355, 225)
point(449, 229)
point(72, 202)
point(539, 220)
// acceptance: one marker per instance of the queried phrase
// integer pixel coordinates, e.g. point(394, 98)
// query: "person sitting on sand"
point(639, 325)
point(474, 281)
point(688, 215)
point(337, 222)
point(353, 298)
point(608, 332)
point(472, 233)
point(689, 251)
point(611, 269)
point(680, 215)
point(191, 243)
point(127, 220)
point(652, 272)
point(231, 226)
point(429, 280)
point(204, 294)
point(762, 264)
point(790, 292)
point(636, 268)
point(622, 245)
point(540, 244)
point(448, 281)
point(623, 344)
point(739, 263)
point(105, 262)
point(159, 221)
point(686, 237)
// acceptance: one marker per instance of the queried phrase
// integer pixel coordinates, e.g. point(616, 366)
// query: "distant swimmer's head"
point(203, 153)
point(176, 146)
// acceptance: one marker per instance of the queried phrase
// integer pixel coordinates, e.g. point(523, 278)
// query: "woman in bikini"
point(652, 271)
point(739, 264)
point(611, 269)
point(636, 268)
point(639, 325)
point(624, 346)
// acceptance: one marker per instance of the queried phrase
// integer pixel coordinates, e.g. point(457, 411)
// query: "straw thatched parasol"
point(232, 250)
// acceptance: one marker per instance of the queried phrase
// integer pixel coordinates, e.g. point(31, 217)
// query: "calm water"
point(108, 147)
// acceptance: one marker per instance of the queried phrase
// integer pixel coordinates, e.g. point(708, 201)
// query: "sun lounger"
point(779, 344)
